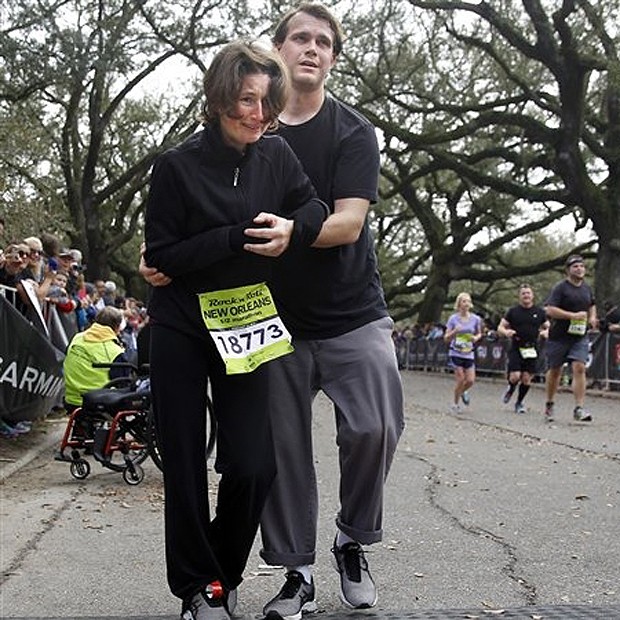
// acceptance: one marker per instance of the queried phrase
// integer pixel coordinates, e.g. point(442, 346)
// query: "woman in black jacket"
point(225, 186)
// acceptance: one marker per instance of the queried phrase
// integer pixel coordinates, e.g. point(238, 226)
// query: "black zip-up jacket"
point(203, 194)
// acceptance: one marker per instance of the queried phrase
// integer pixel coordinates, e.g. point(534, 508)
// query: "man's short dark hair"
point(573, 259)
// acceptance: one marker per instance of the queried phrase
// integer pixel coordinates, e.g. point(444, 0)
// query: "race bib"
point(464, 343)
point(528, 353)
point(245, 326)
point(577, 327)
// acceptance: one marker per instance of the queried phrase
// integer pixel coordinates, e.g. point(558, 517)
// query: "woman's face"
point(34, 258)
point(250, 116)
point(464, 303)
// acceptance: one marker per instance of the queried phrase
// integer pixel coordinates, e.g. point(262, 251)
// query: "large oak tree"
point(498, 118)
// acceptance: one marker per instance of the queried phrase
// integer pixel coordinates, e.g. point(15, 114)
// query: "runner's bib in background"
point(245, 326)
point(464, 343)
point(577, 327)
point(528, 353)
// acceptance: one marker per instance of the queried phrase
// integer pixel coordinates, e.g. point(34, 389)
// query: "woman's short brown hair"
point(224, 79)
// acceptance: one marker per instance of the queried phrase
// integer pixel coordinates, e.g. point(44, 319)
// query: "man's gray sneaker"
point(357, 587)
point(295, 598)
point(582, 415)
point(208, 604)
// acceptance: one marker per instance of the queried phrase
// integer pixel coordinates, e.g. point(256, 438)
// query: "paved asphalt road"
point(489, 514)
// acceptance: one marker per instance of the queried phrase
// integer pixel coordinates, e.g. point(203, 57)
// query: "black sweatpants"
point(199, 549)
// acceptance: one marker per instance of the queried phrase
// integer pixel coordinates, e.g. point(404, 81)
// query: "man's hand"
point(276, 234)
point(150, 274)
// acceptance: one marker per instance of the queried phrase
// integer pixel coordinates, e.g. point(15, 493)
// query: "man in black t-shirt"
point(331, 299)
point(571, 308)
point(523, 324)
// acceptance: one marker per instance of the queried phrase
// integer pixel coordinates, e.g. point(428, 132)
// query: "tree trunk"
point(435, 295)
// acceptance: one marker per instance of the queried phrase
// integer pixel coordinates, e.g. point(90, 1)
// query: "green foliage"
point(492, 129)
point(495, 120)
point(90, 93)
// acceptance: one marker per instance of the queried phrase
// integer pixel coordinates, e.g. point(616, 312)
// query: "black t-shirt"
point(571, 298)
point(324, 293)
point(526, 322)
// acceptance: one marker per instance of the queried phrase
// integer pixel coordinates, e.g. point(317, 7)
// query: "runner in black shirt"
point(571, 307)
point(523, 324)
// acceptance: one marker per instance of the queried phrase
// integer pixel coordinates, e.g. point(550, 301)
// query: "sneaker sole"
point(361, 606)
point(307, 608)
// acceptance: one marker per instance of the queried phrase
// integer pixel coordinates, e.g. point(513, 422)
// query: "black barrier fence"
point(32, 348)
point(603, 366)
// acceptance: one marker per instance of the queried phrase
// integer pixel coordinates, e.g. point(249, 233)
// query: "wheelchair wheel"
point(211, 436)
point(80, 469)
point(132, 435)
point(133, 475)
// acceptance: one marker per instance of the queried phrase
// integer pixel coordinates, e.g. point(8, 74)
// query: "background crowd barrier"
point(603, 366)
point(32, 349)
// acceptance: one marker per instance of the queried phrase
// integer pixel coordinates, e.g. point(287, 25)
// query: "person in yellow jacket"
point(99, 343)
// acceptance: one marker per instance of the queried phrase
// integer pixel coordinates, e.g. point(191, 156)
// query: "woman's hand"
point(150, 274)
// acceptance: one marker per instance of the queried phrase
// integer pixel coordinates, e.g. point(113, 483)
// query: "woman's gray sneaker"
point(208, 604)
point(295, 598)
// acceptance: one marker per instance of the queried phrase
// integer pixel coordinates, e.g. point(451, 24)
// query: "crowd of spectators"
point(41, 271)
point(404, 336)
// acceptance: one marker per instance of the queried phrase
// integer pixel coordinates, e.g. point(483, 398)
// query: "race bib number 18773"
point(245, 326)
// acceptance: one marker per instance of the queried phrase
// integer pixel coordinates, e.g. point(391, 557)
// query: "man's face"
point(308, 51)
point(526, 296)
point(16, 259)
point(65, 261)
point(577, 272)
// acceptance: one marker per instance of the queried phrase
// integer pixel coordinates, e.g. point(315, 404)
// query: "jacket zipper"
point(235, 177)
